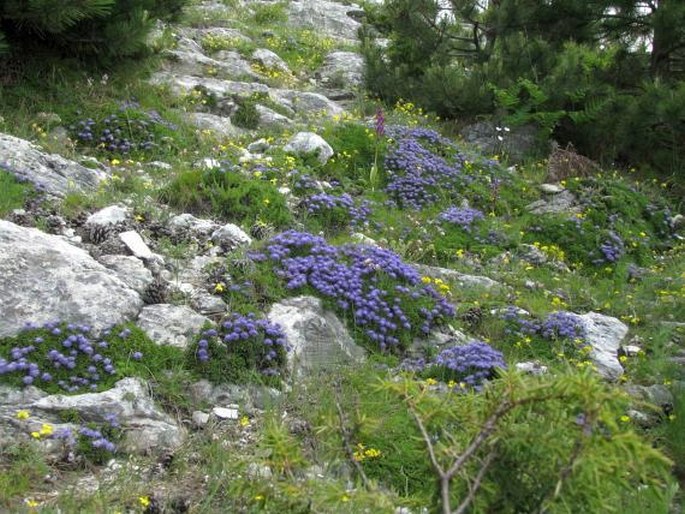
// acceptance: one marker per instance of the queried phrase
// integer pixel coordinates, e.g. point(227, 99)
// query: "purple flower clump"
point(462, 216)
point(562, 324)
point(471, 363)
point(557, 325)
point(238, 332)
point(370, 284)
point(612, 248)
point(416, 173)
point(65, 354)
point(356, 213)
point(97, 440)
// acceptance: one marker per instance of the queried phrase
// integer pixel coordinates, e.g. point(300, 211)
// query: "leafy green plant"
point(14, 193)
point(97, 364)
point(228, 195)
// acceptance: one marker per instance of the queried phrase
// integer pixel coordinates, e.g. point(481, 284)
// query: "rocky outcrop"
point(604, 334)
point(317, 338)
point(52, 174)
point(173, 325)
point(304, 143)
point(147, 429)
point(44, 278)
point(331, 19)
point(462, 279)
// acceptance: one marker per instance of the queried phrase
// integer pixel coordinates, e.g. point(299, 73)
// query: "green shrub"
point(119, 352)
point(14, 193)
point(241, 349)
point(106, 29)
point(227, 195)
point(558, 443)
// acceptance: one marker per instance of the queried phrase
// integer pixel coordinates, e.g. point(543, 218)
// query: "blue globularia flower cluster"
point(342, 208)
point(65, 354)
point(471, 364)
point(259, 345)
point(462, 216)
point(416, 173)
point(381, 295)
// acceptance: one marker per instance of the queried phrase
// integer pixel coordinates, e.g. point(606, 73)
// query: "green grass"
point(14, 193)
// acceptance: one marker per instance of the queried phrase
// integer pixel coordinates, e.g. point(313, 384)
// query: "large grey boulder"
point(270, 118)
point(183, 84)
point(604, 334)
point(464, 280)
point(130, 270)
point(43, 278)
point(147, 428)
point(563, 202)
point(270, 60)
point(220, 125)
point(173, 325)
point(110, 215)
point(194, 62)
point(230, 237)
point(332, 19)
point(187, 226)
point(304, 143)
point(342, 69)
point(304, 103)
point(317, 338)
point(50, 173)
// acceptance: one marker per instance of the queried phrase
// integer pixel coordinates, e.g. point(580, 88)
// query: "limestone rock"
point(130, 270)
point(306, 103)
point(532, 254)
point(147, 428)
point(461, 278)
point(188, 226)
point(52, 174)
point(317, 338)
point(230, 412)
point(270, 60)
point(110, 215)
point(304, 143)
point(231, 236)
point(552, 189)
point(134, 242)
point(343, 69)
point(328, 18)
point(270, 118)
point(604, 334)
point(43, 278)
point(531, 368)
point(562, 202)
point(173, 325)
point(220, 125)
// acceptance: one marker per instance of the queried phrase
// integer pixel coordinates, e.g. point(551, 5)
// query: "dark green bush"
point(227, 195)
point(107, 29)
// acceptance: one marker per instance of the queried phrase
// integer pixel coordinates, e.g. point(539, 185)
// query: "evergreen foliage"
point(601, 74)
point(108, 29)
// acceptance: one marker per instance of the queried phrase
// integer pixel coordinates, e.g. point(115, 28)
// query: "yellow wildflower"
point(23, 414)
point(144, 501)
point(219, 288)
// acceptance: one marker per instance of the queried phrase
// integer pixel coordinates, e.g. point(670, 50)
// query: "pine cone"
point(473, 316)
point(98, 233)
point(242, 265)
point(156, 292)
point(261, 230)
